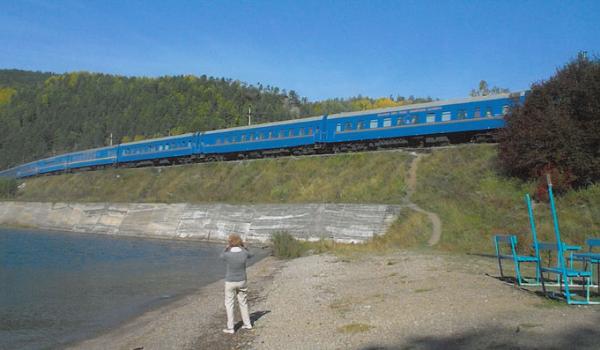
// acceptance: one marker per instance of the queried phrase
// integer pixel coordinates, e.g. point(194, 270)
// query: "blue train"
point(425, 124)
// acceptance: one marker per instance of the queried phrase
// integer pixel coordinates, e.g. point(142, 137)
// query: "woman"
point(236, 255)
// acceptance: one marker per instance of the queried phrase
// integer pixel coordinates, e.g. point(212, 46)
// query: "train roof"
point(255, 126)
point(426, 105)
point(165, 138)
point(373, 111)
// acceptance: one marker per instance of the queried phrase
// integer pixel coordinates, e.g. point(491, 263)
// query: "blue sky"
point(320, 49)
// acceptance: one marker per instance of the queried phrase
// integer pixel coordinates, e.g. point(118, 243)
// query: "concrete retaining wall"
point(211, 222)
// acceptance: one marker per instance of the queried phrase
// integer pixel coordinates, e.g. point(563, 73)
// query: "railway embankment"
point(454, 198)
point(332, 198)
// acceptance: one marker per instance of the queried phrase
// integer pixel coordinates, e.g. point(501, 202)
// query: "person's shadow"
point(253, 318)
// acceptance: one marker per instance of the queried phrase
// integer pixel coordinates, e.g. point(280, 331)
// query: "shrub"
point(8, 187)
point(286, 246)
point(557, 128)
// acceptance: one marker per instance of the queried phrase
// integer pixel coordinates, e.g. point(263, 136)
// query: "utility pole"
point(111, 138)
point(249, 115)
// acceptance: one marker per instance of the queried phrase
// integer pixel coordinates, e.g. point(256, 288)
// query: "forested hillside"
point(43, 114)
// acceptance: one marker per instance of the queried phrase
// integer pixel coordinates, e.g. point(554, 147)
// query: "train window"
point(430, 118)
point(291, 132)
point(347, 126)
point(160, 148)
point(505, 109)
point(310, 131)
point(477, 113)
point(387, 122)
point(218, 140)
point(373, 124)
point(338, 127)
point(399, 121)
point(301, 132)
point(488, 111)
point(263, 135)
point(251, 138)
point(360, 125)
point(446, 116)
point(281, 133)
point(462, 114)
point(243, 138)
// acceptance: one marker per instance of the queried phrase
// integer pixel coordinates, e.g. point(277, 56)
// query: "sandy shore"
point(401, 300)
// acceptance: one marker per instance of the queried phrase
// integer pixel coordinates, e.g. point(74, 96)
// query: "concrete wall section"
point(211, 222)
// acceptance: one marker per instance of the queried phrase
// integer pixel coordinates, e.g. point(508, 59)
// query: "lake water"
point(57, 288)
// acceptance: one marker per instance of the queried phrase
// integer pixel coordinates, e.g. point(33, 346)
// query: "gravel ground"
point(401, 300)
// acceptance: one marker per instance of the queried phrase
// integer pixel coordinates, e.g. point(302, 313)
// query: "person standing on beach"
point(236, 255)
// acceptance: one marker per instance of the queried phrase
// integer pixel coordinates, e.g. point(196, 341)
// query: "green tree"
point(485, 90)
point(557, 130)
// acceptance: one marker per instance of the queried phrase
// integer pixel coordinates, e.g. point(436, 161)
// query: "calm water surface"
point(57, 288)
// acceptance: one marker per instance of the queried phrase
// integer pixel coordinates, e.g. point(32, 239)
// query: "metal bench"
point(589, 258)
point(564, 274)
point(504, 242)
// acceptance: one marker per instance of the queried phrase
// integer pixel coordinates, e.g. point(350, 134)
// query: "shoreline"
point(191, 321)
point(413, 299)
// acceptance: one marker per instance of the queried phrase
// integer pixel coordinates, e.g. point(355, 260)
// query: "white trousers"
point(241, 290)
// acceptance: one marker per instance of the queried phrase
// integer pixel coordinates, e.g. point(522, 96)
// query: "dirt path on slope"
point(436, 223)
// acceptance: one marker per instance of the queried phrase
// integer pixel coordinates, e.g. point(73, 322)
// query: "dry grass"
point(350, 178)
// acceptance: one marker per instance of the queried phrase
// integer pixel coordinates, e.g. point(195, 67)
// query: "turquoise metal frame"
point(561, 270)
point(511, 240)
point(536, 247)
point(591, 258)
point(543, 246)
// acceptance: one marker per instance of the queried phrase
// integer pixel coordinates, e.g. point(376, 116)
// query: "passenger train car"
point(425, 124)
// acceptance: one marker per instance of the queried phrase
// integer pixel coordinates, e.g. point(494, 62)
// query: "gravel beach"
point(400, 300)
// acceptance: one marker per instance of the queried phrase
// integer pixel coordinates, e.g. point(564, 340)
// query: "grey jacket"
point(236, 264)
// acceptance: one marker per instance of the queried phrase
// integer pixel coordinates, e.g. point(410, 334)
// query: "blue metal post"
point(555, 221)
point(538, 273)
point(560, 255)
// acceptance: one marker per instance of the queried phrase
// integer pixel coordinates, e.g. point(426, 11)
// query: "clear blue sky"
point(321, 49)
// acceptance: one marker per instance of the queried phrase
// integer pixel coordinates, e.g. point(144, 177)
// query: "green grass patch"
point(410, 230)
point(375, 177)
point(285, 246)
point(353, 328)
point(474, 201)
point(8, 188)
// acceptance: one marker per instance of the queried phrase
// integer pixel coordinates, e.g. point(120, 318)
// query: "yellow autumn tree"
point(361, 104)
point(384, 102)
point(6, 94)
